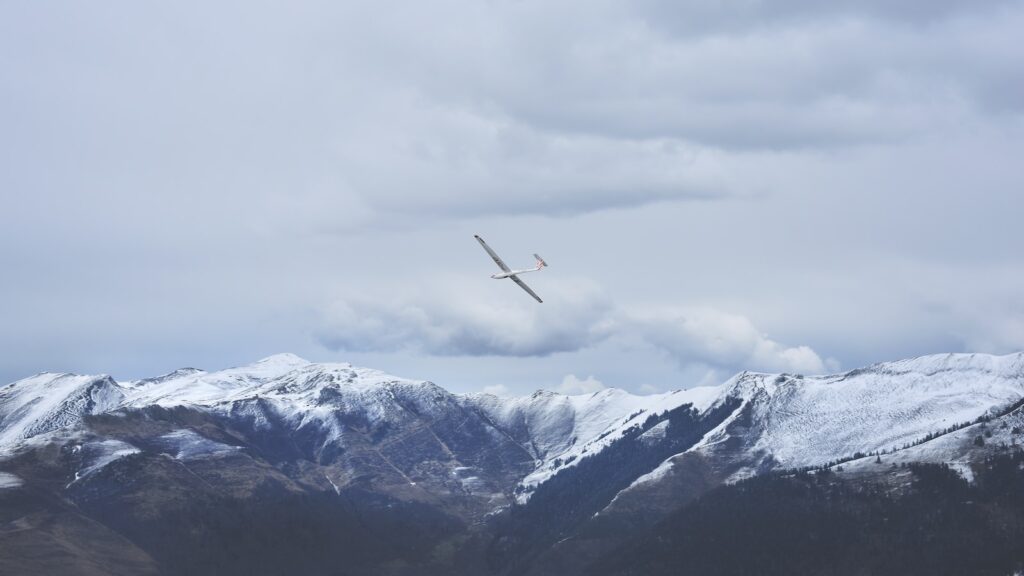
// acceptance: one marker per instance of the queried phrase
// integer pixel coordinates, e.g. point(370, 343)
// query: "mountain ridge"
point(548, 424)
point(491, 470)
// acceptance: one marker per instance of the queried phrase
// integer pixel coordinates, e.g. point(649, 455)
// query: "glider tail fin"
point(540, 262)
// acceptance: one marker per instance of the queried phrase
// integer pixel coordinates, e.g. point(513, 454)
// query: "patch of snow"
point(963, 469)
point(656, 433)
point(8, 480)
point(101, 453)
point(473, 484)
point(656, 474)
point(187, 445)
point(333, 485)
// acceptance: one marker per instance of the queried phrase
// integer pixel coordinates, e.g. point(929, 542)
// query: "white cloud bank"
point(572, 321)
point(573, 384)
point(497, 390)
point(717, 338)
point(466, 326)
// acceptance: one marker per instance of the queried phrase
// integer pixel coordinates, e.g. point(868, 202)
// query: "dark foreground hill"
point(938, 524)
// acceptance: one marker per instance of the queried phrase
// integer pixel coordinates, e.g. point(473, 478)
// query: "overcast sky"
point(769, 185)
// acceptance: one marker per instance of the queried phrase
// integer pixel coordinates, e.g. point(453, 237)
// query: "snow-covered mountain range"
point(132, 473)
point(349, 420)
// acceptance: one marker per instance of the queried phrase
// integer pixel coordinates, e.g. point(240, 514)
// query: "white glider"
point(513, 274)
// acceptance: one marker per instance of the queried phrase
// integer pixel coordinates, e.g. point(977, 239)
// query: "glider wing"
point(527, 288)
point(497, 259)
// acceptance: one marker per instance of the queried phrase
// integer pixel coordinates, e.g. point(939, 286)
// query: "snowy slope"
point(811, 420)
point(295, 385)
point(49, 402)
point(351, 424)
point(790, 421)
point(296, 390)
point(560, 429)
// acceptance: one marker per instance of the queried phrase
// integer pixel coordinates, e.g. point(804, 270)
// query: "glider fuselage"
point(501, 275)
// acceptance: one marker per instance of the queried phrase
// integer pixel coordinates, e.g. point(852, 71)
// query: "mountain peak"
point(284, 359)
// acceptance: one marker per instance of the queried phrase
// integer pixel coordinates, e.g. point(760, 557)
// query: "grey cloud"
point(467, 327)
point(320, 110)
point(716, 338)
point(342, 110)
point(824, 81)
point(705, 17)
point(460, 163)
point(828, 85)
point(573, 384)
point(579, 319)
point(992, 325)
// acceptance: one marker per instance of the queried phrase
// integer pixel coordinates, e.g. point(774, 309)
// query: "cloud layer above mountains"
point(578, 318)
